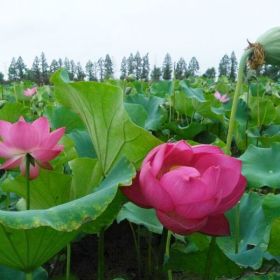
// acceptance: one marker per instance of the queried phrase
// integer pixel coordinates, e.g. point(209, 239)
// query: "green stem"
point(28, 276)
point(237, 227)
point(149, 261)
point(167, 253)
point(27, 175)
point(68, 261)
point(238, 90)
point(101, 270)
point(137, 249)
point(209, 258)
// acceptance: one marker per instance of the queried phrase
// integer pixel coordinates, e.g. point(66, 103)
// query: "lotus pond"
point(138, 180)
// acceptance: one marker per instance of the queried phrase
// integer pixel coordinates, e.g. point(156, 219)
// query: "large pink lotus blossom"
point(22, 138)
point(222, 98)
point(30, 91)
point(189, 187)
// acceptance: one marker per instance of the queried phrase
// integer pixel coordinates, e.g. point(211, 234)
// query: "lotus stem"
point(100, 271)
point(209, 259)
point(137, 249)
point(28, 276)
point(167, 253)
point(27, 175)
point(238, 90)
point(68, 261)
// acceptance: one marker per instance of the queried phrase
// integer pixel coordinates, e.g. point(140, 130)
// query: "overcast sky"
point(89, 29)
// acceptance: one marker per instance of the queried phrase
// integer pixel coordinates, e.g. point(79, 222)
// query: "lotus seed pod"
point(266, 50)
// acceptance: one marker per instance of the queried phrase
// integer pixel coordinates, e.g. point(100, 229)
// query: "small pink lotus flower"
point(22, 138)
point(30, 91)
point(222, 98)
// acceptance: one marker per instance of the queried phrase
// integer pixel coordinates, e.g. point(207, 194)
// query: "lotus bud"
point(266, 50)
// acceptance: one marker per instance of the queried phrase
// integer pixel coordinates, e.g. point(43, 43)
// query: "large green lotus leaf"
point(101, 108)
point(254, 232)
point(87, 174)
point(194, 262)
point(162, 88)
point(183, 104)
point(47, 190)
point(262, 111)
point(193, 93)
point(274, 243)
point(27, 249)
point(137, 113)
point(83, 143)
point(261, 166)
point(140, 216)
point(11, 112)
point(153, 107)
point(7, 273)
point(57, 116)
point(45, 232)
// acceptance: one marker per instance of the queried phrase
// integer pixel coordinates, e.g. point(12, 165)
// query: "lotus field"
point(187, 172)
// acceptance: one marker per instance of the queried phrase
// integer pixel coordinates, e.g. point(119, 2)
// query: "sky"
point(88, 29)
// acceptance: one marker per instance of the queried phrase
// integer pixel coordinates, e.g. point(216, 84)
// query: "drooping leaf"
point(140, 216)
point(30, 238)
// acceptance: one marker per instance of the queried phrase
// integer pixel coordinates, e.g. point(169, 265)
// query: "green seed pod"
point(266, 50)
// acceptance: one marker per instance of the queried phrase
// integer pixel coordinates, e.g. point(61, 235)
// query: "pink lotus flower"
point(222, 98)
point(22, 138)
point(190, 187)
point(30, 91)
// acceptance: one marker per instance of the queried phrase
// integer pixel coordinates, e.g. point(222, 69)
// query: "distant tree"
point(66, 65)
point(20, 69)
point(156, 73)
point(145, 67)
point(108, 67)
point(100, 65)
point(72, 70)
point(1, 78)
point(224, 66)
point(44, 69)
point(138, 65)
point(233, 67)
point(91, 71)
point(130, 65)
point(167, 67)
point(210, 73)
point(36, 71)
point(12, 71)
point(180, 69)
point(193, 67)
point(54, 66)
point(271, 71)
point(60, 63)
point(80, 74)
point(123, 69)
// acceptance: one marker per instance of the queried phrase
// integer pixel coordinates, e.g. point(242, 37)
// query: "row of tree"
point(134, 66)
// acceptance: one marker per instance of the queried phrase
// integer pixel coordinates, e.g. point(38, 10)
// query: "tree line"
point(134, 66)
